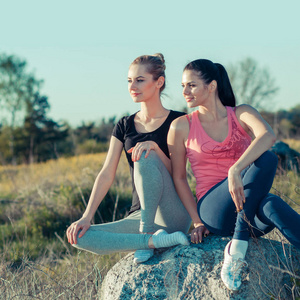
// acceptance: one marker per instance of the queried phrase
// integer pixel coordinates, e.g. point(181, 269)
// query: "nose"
point(185, 90)
point(131, 86)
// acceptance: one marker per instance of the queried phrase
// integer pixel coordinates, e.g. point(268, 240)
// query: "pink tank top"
point(210, 160)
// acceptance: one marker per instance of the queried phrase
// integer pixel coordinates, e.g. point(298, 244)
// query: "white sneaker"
point(231, 270)
point(141, 256)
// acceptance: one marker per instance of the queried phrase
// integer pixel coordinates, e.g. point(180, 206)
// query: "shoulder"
point(124, 121)
point(180, 127)
point(244, 109)
point(249, 117)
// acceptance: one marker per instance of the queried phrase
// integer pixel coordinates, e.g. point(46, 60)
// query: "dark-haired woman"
point(157, 217)
point(227, 146)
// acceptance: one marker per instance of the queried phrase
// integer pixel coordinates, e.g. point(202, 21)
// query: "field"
point(39, 201)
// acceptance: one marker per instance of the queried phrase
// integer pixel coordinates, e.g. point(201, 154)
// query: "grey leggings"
point(161, 208)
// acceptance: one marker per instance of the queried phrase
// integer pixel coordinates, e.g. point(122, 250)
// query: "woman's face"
point(141, 85)
point(195, 91)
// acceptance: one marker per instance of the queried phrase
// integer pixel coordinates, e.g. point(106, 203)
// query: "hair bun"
point(161, 57)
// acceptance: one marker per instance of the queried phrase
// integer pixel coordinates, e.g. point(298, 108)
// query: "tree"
point(17, 87)
point(252, 84)
point(30, 133)
point(41, 133)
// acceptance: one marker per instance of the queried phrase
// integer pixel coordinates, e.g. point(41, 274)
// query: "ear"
point(160, 81)
point(213, 86)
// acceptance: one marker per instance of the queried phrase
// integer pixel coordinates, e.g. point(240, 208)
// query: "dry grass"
point(59, 272)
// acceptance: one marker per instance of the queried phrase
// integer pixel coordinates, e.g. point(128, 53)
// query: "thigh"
point(170, 213)
point(217, 211)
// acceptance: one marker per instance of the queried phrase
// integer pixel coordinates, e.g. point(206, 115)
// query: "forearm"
point(258, 146)
point(185, 194)
point(100, 189)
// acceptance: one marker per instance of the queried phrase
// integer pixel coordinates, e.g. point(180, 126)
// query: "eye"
point(140, 80)
point(129, 80)
point(192, 85)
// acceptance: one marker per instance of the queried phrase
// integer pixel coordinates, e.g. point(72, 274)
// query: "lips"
point(135, 94)
point(189, 99)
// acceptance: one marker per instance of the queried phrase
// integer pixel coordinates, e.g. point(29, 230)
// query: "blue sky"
point(82, 49)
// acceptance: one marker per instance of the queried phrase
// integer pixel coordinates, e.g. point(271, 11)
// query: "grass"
point(39, 201)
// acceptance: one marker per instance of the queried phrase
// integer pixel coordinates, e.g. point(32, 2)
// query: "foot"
point(142, 255)
point(162, 239)
point(231, 270)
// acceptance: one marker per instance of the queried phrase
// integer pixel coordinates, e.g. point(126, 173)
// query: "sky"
point(82, 49)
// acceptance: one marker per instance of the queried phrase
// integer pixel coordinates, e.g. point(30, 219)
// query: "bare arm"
point(263, 139)
point(101, 186)
point(176, 141)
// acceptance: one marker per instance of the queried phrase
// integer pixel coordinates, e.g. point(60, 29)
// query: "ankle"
point(150, 243)
point(238, 248)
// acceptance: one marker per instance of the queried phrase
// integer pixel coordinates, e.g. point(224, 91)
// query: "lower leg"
point(257, 180)
point(274, 211)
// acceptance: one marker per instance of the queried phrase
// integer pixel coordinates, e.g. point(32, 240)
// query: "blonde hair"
point(155, 65)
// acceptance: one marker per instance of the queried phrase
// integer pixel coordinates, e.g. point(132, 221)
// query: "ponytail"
point(225, 91)
point(208, 71)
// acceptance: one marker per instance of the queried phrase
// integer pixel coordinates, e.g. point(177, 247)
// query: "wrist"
point(87, 217)
point(198, 224)
point(234, 170)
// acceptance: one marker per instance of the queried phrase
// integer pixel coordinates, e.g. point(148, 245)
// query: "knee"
point(271, 204)
point(144, 164)
point(268, 160)
point(269, 157)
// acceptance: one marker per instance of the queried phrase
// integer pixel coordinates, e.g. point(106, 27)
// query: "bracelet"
point(201, 225)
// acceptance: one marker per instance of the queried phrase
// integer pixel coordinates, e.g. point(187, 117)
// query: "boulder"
point(288, 158)
point(193, 272)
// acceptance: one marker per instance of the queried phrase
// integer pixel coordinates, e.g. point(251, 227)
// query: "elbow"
point(271, 138)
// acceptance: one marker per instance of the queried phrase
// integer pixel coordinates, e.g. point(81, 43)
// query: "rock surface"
point(289, 159)
point(193, 272)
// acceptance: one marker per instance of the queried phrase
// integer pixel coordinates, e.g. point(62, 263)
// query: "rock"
point(193, 272)
point(289, 159)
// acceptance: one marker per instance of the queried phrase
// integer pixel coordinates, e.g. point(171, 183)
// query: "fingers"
point(72, 232)
point(139, 148)
point(197, 234)
point(82, 232)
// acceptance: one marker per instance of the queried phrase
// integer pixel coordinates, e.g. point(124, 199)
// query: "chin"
point(191, 105)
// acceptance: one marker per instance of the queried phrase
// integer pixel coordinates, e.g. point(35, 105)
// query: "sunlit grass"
point(39, 201)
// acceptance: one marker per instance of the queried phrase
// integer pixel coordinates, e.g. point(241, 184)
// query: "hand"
point(236, 189)
point(83, 225)
point(198, 232)
point(139, 148)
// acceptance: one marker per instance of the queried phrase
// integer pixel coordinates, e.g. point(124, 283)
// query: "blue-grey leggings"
point(161, 208)
point(264, 211)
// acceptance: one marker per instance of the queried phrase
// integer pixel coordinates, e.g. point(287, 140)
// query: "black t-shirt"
point(125, 131)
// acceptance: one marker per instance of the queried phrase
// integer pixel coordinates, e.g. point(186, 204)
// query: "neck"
point(152, 109)
point(213, 110)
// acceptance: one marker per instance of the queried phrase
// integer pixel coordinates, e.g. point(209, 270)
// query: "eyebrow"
point(139, 77)
point(189, 82)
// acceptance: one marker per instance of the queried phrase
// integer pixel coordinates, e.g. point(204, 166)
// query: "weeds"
point(39, 201)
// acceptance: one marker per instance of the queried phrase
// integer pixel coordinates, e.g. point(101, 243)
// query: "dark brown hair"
point(209, 71)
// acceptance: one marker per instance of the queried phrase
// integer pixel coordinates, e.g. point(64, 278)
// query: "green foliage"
point(285, 123)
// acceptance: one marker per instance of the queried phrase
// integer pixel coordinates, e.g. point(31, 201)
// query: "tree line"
point(28, 134)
